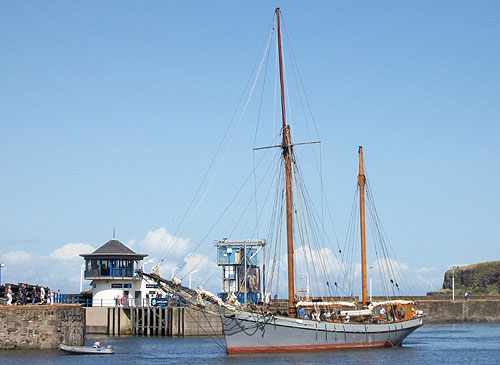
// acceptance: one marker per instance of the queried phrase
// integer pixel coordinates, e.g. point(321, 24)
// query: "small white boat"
point(86, 350)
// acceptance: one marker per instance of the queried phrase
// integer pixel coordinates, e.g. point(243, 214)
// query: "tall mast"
point(287, 152)
point(361, 183)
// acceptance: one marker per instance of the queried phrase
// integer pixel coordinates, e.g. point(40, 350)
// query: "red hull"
point(312, 348)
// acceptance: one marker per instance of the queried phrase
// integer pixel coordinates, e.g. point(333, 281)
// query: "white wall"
point(104, 295)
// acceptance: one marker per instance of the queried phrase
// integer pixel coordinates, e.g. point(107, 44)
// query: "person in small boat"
point(347, 317)
point(306, 316)
point(97, 344)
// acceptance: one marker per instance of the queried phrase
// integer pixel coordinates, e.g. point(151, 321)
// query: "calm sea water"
point(431, 344)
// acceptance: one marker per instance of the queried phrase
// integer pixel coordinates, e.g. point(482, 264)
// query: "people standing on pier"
point(24, 294)
point(42, 295)
point(59, 296)
point(51, 297)
point(33, 296)
point(9, 295)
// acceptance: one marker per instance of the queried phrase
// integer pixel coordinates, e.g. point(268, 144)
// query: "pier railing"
point(123, 302)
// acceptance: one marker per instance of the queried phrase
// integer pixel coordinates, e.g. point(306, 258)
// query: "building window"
point(117, 285)
point(126, 285)
point(104, 267)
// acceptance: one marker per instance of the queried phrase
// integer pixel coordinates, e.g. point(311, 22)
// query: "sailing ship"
point(341, 325)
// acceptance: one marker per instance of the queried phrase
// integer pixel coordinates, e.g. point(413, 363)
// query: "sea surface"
point(430, 344)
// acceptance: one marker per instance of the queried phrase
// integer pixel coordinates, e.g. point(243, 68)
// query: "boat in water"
point(324, 323)
point(87, 350)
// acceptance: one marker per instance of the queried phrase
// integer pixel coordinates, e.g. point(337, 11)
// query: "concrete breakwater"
point(41, 327)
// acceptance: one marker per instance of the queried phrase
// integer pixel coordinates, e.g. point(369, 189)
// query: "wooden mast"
point(287, 152)
point(361, 183)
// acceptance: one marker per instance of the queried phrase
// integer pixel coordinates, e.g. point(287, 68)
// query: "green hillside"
point(476, 279)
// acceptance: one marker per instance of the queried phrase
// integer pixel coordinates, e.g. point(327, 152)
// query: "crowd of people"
point(39, 295)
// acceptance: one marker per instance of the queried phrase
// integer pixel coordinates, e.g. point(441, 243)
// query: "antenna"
point(114, 232)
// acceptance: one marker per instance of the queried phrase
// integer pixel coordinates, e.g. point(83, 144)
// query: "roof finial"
point(114, 232)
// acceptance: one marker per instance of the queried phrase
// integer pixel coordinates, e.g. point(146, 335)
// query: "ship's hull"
point(250, 333)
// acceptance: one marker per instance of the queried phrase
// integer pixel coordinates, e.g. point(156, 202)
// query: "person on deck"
point(382, 312)
point(402, 313)
point(302, 311)
point(97, 344)
point(314, 315)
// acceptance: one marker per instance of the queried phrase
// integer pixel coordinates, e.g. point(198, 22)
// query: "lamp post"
point(82, 270)
point(174, 270)
point(453, 282)
point(192, 272)
point(1, 265)
point(371, 267)
point(147, 262)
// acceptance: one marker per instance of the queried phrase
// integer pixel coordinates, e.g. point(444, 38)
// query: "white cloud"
point(71, 251)
point(158, 240)
point(429, 276)
point(17, 256)
point(425, 270)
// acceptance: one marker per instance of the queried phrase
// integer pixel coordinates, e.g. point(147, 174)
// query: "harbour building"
point(112, 271)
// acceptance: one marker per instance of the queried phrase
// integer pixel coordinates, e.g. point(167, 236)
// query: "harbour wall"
point(458, 311)
point(41, 327)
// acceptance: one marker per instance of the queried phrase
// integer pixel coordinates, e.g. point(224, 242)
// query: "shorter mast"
point(361, 183)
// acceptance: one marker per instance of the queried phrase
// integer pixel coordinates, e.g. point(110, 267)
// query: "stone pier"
point(41, 327)
point(460, 311)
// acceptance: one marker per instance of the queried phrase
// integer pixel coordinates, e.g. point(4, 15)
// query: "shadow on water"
point(431, 344)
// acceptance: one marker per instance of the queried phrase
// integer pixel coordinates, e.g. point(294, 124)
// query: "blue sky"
point(110, 113)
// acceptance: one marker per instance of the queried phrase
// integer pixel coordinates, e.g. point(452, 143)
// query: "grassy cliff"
point(477, 279)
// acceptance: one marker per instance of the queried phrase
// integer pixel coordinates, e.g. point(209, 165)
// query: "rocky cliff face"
point(477, 279)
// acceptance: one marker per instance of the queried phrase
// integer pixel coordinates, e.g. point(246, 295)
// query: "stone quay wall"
point(458, 311)
point(41, 327)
